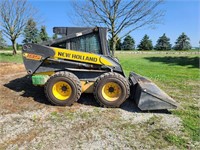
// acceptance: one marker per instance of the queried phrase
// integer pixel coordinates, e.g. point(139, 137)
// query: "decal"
point(32, 56)
point(77, 57)
point(81, 56)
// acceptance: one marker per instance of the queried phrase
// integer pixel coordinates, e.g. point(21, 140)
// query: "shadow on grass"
point(191, 62)
point(28, 90)
point(6, 54)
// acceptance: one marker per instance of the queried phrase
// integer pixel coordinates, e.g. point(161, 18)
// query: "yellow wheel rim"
point(62, 90)
point(111, 91)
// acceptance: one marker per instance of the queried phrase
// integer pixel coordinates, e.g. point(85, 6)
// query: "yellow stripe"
point(80, 56)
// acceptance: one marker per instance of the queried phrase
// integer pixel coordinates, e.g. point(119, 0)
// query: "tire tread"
point(66, 75)
point(108, 75)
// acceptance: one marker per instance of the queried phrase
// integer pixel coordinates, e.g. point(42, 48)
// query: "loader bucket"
point(148, 96)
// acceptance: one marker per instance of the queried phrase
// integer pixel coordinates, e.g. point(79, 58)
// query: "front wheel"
point(63, 88)
point(111, 89)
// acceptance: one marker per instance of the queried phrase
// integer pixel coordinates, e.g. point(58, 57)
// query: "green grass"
point(178, 75)
point(176, 140)
point(6, 57)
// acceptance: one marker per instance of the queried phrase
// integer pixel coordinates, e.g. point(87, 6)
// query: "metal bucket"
point(148, 96)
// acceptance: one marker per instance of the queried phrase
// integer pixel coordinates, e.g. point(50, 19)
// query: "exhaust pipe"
point(148, 96)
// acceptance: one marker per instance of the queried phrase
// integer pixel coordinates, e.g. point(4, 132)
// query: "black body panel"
point(32, 65)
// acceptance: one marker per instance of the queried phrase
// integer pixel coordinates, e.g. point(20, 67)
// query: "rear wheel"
point(63, 88)
point(111, 89)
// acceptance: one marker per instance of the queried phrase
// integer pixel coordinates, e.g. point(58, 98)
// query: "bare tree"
point(118, 15)
point(14, 15)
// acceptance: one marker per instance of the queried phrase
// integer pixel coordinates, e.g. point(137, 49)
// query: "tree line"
point(19, 17)
point(163, 43)
point(31, 34)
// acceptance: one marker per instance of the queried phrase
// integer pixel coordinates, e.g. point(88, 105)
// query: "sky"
point(180, 16)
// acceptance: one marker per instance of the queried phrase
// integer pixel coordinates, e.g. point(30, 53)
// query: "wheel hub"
point(111, 89)
point(64, 88)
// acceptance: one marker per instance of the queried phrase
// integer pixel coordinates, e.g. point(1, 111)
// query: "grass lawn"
point(177, 74)
point(8, 57)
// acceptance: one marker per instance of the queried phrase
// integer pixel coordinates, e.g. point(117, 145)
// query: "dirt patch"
point(28, 121)
point(9, 69)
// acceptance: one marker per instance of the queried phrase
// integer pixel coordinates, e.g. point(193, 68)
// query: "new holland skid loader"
point(80, 62)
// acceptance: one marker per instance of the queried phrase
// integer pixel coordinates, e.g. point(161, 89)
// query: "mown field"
point(8, 57)
point(178, 75)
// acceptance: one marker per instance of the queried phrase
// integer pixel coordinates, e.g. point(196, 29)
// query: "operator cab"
point(92, 40)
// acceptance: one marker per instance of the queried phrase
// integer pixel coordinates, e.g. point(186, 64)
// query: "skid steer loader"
point(80, 62)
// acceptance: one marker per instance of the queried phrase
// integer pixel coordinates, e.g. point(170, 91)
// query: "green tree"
point(145, 44)
point(14, 15)
point(183, 42)
point(163, 43)
point(2, 41)
point(43, 34)
point(128, 43)
point(55, 36)
point(118, 44)
point(31, 32)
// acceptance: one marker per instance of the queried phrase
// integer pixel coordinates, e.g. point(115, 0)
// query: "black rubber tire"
point(111, 77)
point(70, 79)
